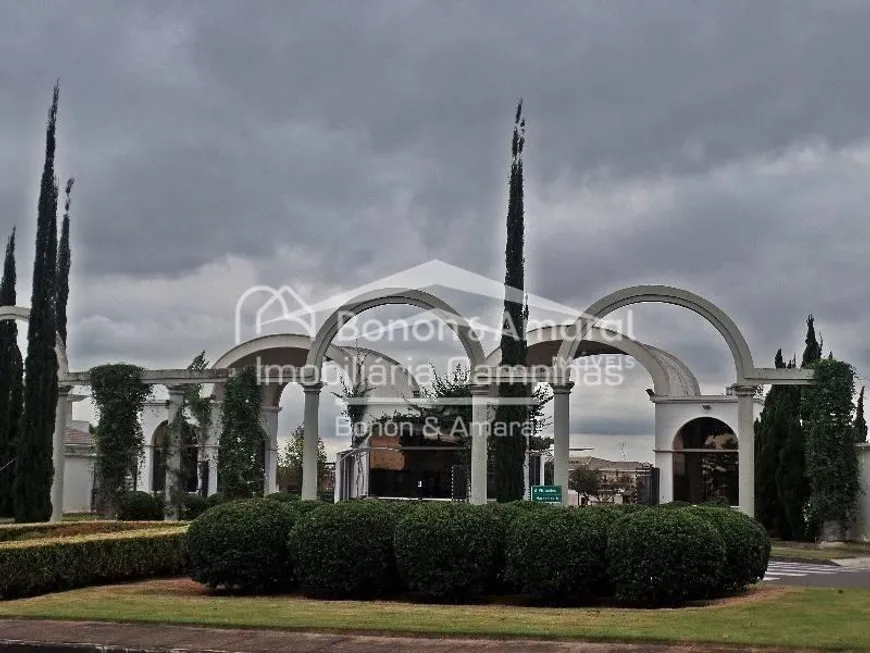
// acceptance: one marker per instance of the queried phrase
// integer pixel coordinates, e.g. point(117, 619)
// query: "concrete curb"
point(862, 562)
point(45, 636)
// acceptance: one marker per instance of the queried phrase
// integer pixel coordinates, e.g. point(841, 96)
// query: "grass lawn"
point(769, 615)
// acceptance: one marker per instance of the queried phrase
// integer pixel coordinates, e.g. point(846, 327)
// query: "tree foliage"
point(192, 423)
point(585, 481)
point(354, 390)
point(241, 456)
point(511, 420)
point(64, 260)
point(832, 462)
point(11, 382)
point(290, 461)
point(859, 428)
point(33, 465)
point(119, 394)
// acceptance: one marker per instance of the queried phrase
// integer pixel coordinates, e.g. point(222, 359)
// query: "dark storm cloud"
point(219, 144)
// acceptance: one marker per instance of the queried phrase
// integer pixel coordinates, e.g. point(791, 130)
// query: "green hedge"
point(242, 545)
point(747, 547)
point(140, 506)
point(449, 551)
point(664, 556)
point(28, 568)
point(345, 550)
point(559, 554)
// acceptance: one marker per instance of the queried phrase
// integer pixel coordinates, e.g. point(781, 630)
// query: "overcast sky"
point(723, 147)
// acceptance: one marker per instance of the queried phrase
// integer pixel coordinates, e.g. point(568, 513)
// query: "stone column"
point(746, 448)
point(664, 461)
point(212, 443)
point(479, 438)
point(59, 451)
point(664, 458)
point(310, 440)
point(269, 422)
point(561, 435)
point(173, 451)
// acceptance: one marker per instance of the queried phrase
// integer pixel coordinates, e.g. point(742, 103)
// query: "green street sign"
point(547, 493)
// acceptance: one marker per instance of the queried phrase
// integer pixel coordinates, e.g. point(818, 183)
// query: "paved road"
point(816, 575)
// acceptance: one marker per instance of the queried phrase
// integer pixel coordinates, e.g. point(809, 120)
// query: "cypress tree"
point(33, 464)
point(511, 422)
point(792, 481)
point(860, 426)
point(11, 369)
point(813, 349)
point(769, 439)
point(63, 266)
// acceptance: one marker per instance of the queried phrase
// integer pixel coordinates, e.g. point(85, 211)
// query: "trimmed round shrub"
point(658, 557)
point(140, 506)
point(449, 552)
point(507, 514)
point(242, 545)
point(559, 555)
point(747, 547)
point(345, 550)
point(215, 499)
point(193, 505)
point(283, 496)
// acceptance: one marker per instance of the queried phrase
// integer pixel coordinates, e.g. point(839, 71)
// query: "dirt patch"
point(187, 587)
point(756, 594)
point(165, 586)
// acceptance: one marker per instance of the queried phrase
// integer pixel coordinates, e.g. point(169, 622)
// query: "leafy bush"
point(215, 499)
point(28, 568)
point(449, 551)
point(242, 545)
point(574, 566)
point(747, 547)
point(193, 505)
point(283, 496)
point(140, 506)
point(664, 556)
point(40, 531)
point(345, 550)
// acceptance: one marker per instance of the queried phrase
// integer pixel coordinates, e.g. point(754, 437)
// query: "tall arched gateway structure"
point(326, 334)
point(749, 378)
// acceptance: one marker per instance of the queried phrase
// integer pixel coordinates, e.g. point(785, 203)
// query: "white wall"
point(861, 529)
point(78, 474)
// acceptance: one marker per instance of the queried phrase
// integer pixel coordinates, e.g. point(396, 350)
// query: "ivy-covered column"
point(212, 447)
point(310, 440)
point(59, 452)
point(173, 449)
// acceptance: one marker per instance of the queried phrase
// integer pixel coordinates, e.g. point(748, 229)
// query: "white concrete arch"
point(341, 356)
point(727, 420)
point(743, 364)
point(23, 314)
point(374, 356)
point(608, 341)
point(277, 341)
point(683, 381)
point(402, 296)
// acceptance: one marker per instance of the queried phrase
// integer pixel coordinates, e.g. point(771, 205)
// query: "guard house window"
point(705, 463)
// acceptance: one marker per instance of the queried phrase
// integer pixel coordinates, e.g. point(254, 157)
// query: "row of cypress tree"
point(782, 484)
point(29, 388)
